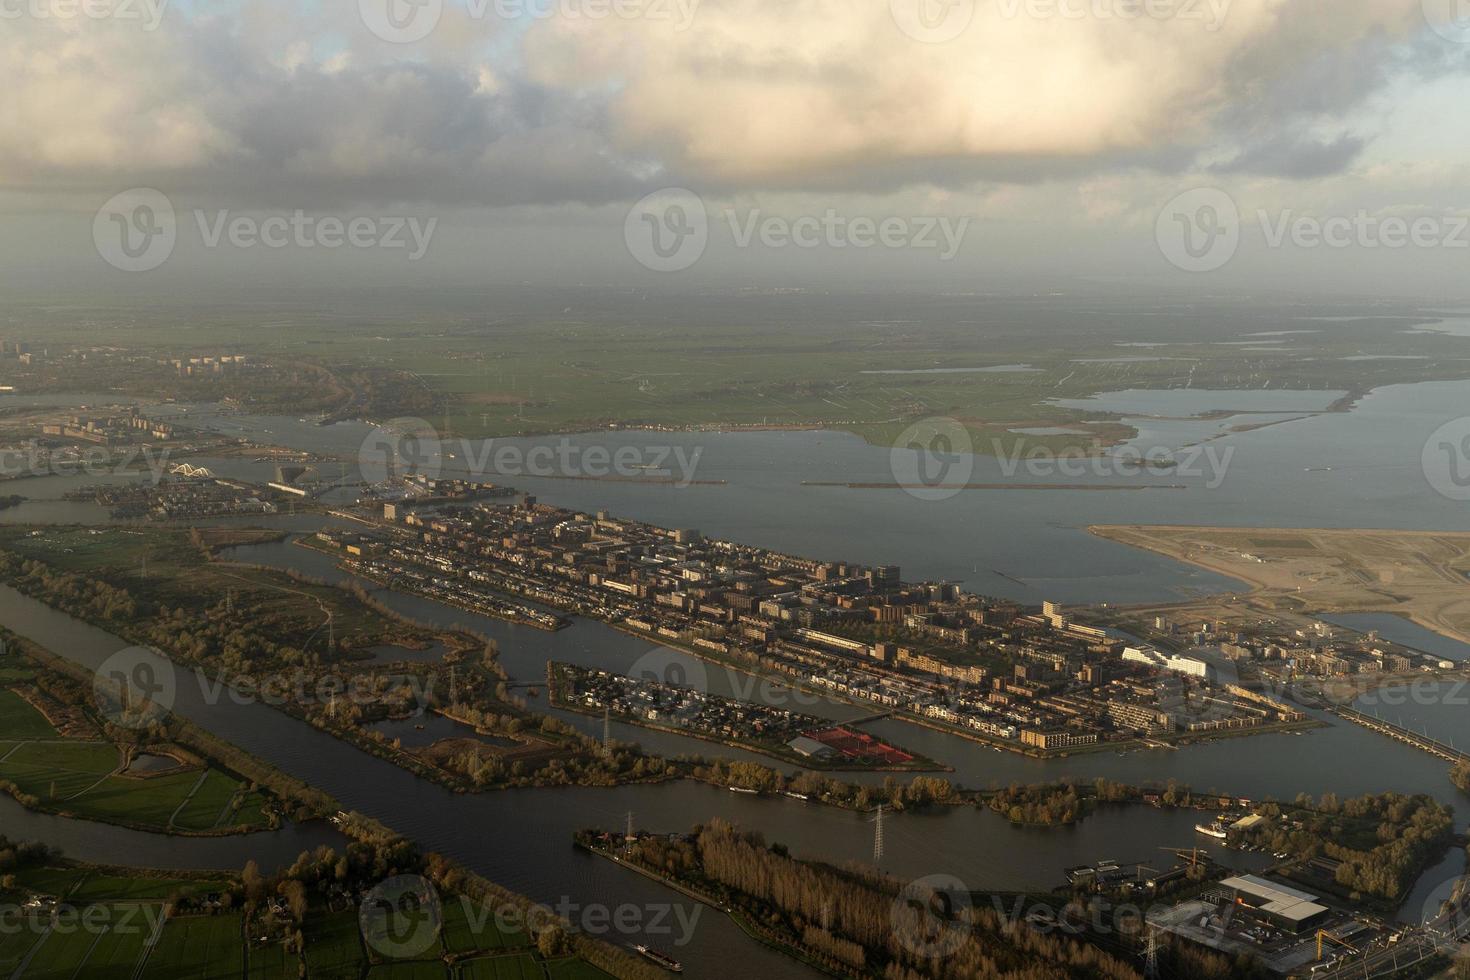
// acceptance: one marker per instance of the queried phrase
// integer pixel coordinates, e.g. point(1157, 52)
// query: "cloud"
point(83, 96)
point(808, 90)
point(253, 111)
point(277, 103)
point(1297, 157)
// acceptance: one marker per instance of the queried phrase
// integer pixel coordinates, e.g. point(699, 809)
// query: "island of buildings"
point(1030, 681)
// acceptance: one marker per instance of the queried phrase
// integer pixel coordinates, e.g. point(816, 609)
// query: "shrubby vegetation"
point(1382, 841)
point(18, 855)
point(918, 793)
point(855, 921)
point(1040, 805)
point(1460, 775)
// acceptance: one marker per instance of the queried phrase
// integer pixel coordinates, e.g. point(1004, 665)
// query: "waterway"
point(975, 845)
point(521, 838)
point(1360, 468)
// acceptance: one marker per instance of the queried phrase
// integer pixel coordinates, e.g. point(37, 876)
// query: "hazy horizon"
point(1223, 146)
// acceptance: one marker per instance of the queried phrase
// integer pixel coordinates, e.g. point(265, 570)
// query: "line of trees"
point(1382, 842)
point(870, 923)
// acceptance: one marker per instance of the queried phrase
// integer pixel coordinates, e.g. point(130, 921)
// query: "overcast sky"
point(942, 142)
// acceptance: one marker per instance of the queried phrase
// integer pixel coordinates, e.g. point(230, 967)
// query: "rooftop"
point(1279, 899)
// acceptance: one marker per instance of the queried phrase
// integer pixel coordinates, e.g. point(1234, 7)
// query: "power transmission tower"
point(1151, 955)
point(878, 835)
point(607, 730)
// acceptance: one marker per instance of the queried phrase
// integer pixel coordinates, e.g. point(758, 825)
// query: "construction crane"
point(1179, 852)
point(1323, 936)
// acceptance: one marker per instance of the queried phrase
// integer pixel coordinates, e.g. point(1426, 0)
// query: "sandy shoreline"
point(1419, 575)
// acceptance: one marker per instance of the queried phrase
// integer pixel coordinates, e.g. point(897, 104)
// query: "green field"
point(150, 802)
point(50, 881)
point(221, 802)
point(115, 955)
point(334, 948)
point(273, 962)
point(472, 928)
point(101, 946)
point(575, 969)
point(14, 945)
point(81, 886)
point(271, 607)
point(54, 772)
point(13, 666)
point(204, 947)
point(98, 886)
point(198, 948)
point(515, 966)
point(761, 359)
point(409, 971)
point(18, 720)
point(77, 777)
point(60, 955)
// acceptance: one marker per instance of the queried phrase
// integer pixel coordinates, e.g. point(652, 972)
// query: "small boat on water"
point(662, 959)
point(1215, 830)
